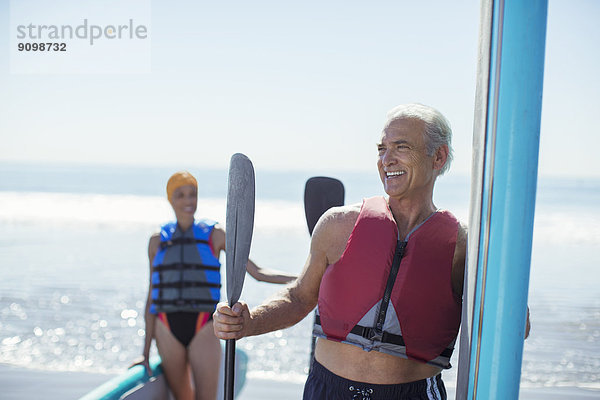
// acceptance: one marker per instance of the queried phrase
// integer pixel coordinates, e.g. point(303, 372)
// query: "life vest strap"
point(178, 266)
point(373, 334)
point(181, 240)
point(162, 302)
point(385, 301)
point(383, 337)
point(179, 285)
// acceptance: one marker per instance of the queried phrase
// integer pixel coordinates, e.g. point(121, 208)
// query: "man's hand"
point(527, 325)
point(231, 322)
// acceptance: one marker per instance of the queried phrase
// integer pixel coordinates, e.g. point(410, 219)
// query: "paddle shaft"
point(229, 368)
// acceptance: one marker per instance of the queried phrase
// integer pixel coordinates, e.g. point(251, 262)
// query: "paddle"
point(320, 194)
point(239, 226)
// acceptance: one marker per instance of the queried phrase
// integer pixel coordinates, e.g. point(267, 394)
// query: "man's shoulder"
point(342, 214)
point(337, 221)
point(332, 231)
point(462, 227)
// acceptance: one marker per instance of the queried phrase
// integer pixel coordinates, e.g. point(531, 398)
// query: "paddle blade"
point(239, 223)
point(320, 194)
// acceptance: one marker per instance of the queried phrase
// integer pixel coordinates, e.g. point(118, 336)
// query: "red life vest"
point(421, 318)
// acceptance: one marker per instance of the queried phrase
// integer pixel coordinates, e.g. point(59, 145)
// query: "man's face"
point(404, 167)
point(184, 201)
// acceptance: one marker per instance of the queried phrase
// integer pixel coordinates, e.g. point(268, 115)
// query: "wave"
point(567, 226)
point(129, 210)
point(552, 225)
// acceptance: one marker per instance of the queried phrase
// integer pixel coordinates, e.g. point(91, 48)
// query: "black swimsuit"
point(185, 325)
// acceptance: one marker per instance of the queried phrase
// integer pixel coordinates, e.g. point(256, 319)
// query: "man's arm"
point(459, 262)
point(291, 304)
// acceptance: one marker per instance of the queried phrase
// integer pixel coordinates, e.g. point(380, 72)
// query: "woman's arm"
point(268, 275)
point(149, 318)
point(260, 274)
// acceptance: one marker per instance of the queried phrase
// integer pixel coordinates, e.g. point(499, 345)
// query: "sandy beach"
point(24, 384)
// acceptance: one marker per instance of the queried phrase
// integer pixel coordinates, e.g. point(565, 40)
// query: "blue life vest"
point(185, 273)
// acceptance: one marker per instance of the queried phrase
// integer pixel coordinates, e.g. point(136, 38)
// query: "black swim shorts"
point(323, 384)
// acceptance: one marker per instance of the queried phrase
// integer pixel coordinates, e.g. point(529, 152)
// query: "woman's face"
point(184, 201)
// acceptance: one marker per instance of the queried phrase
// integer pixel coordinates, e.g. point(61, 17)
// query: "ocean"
point(74, 268)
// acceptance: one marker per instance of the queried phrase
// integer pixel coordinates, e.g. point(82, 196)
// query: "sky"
point(295, 86)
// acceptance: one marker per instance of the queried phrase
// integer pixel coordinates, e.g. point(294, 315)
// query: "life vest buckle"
point(375, 334)
point(372, 334)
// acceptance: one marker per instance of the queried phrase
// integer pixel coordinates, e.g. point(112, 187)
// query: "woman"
point(184, 290)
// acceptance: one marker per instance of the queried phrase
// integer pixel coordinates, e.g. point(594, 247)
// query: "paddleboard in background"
point(135, 384)
point(320, 194)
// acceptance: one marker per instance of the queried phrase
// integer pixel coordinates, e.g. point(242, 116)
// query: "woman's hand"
point(142, 360)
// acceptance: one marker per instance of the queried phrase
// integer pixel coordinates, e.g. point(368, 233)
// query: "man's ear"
point(440, 157)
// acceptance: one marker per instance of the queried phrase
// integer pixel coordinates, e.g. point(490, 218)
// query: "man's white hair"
point(437, 127)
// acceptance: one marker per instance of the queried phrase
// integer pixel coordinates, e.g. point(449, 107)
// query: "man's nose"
point(387, 158)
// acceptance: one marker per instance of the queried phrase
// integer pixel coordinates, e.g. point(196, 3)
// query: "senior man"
point(386, 275)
